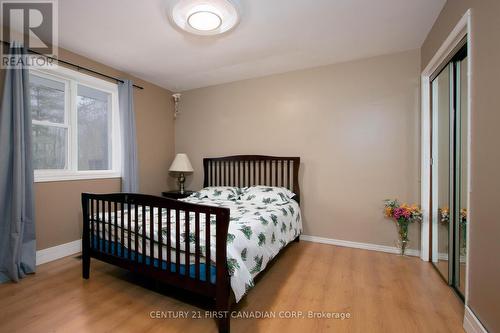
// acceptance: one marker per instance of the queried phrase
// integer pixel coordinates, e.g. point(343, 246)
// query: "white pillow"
point(266, 194)
point(219, 193)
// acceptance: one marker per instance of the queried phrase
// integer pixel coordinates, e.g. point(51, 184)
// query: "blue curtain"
point(130, 178)
point(17, 224)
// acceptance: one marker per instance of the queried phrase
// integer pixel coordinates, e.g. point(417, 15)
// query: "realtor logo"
point(34, 25)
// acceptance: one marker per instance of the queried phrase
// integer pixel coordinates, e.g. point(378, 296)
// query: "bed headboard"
point(249, 170)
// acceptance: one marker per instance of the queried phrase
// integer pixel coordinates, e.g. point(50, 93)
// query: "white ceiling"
point(273, 36)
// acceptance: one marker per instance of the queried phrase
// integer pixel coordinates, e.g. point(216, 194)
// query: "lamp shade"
point(181, 164)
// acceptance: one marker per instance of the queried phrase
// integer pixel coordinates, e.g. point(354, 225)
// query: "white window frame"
point(72, 79)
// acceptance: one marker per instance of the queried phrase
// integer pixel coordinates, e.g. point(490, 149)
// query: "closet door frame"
point(461, 30)
point(453, 66)
point(457, 60)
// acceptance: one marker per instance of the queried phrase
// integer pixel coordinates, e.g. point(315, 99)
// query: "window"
point(94, 128)
point(75, 126)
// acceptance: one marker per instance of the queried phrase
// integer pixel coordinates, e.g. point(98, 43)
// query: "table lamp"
point(181, 165)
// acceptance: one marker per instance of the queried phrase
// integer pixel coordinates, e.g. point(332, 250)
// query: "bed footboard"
point(113, 232)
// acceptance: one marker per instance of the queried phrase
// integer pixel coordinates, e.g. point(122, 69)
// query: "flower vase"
point(403, 236)
point(463, 242)
point(403, 244)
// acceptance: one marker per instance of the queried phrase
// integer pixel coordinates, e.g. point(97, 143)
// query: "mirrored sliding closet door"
point(450, 169)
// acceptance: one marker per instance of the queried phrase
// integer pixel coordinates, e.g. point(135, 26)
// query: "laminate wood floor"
point(381, 292)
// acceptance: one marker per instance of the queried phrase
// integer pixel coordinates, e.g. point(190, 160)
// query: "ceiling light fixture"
point(205, 17)
point(204, 21)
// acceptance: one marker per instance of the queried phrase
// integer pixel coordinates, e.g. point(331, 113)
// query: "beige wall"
point(58, 212)
point(484, 245)
point(57, 204)
point(355, 126)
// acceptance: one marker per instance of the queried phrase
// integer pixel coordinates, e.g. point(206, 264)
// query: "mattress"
point(117, 249)
point(257, 232)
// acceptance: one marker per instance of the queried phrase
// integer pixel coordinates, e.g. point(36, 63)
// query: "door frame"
point(461, 30)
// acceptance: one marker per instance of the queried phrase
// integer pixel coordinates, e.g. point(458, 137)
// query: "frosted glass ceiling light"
point(204, 21)
point(205, 17)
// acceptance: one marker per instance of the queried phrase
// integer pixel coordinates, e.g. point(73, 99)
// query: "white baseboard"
point(444, 256)
point(356, 245)
point(57, 252)
point(471, 323)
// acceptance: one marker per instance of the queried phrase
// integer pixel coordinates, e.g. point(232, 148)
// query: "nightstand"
point(176, 194)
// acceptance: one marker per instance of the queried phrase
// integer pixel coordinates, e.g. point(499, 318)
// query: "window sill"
point(43, 177)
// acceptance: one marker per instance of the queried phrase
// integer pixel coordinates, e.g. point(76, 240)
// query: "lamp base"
point(181, 180)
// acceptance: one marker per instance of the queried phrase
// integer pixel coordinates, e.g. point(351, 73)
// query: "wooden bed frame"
point(241, 170)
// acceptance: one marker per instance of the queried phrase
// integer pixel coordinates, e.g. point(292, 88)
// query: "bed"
point(207, 244)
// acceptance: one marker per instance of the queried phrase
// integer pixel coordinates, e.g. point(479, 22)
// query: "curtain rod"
point(78, 67)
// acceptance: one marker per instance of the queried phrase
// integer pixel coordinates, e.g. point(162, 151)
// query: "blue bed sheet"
point(110, 247)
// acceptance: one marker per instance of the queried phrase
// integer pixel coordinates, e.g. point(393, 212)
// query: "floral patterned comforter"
point(257, 232)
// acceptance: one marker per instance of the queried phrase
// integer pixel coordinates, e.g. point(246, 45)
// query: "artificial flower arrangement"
point(463, 225)
point(444, 214)
point(403, 214)
point(463, 216)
